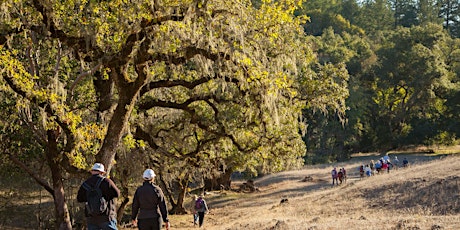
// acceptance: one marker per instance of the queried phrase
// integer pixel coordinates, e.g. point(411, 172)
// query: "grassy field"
point(425, 195)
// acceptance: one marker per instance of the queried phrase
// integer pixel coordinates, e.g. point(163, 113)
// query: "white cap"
point(98, 167)
point(148, 174)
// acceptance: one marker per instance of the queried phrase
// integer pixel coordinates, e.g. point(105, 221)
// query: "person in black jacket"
point(107, 220)
point(149, 205)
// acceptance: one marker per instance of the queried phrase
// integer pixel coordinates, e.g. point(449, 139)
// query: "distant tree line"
point(402, 57)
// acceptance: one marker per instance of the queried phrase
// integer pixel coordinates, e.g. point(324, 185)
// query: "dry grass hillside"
point(422, 196)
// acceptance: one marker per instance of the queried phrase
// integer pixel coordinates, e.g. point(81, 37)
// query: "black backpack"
point(96, 204)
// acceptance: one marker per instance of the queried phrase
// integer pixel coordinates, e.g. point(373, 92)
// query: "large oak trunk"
point(60, 206)
point(219, 181)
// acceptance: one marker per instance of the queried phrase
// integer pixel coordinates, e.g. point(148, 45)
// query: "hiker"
point(396, 161)
point(367, 171)
point(384, 166)
point(106, 218)
point(390, 165)
point(334, 175)
point(201, 208)
point(379, 166)
point(405, 162)
point(149, 205)
point(386, 158)
point(340, 176)
point(372, 166)
point(361, 171)
point(344, 174)
point(192, 207)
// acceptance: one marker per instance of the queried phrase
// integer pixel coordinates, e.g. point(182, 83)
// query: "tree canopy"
point(200, 83)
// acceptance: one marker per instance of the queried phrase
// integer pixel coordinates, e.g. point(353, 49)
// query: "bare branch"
point(32, 173)
point(84, 74)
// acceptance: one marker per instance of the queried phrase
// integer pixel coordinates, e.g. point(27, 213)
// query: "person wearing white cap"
point(106, 218)
point(149, 205)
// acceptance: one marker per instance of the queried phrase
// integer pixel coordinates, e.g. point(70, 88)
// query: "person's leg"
point(149, 224)
point(157, 223)
point(201, 218)
point(195, 219)
point(93, 227)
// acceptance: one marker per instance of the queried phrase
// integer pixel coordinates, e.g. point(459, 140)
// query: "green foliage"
point(181, 86)
point(406, 88)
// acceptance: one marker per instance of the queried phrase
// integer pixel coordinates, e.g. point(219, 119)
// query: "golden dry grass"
point(423, 196)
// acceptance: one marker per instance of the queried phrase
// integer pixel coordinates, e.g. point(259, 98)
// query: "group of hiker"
point(339, 176)
point(149, 209)
point(384, 164)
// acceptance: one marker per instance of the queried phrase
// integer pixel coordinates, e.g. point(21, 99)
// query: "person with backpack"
point(99, 193)
point(192, 208)
point(344, 174)
point(149, 205)
point(201, 208)
point(335, 176)
point(405, 162)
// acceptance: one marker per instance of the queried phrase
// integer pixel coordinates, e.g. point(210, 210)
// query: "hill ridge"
point(423, 196)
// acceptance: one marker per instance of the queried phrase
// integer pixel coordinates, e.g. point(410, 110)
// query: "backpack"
point(96, 204)
point(198, 203)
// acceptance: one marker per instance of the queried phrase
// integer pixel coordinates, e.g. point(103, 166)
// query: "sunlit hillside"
point(423, 196)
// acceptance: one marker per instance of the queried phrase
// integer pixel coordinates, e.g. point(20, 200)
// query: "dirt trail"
point(228, 212)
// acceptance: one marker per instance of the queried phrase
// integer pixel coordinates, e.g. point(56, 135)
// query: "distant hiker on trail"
point(99, 211)
point(396, 161)
point(405, 162)
point(384, 166)
point(361, 171)
point(340, 176)
point(386, 158)
point(201, 208)
point(335, 176)
point(149, 205)
point(390, 165)
point(379, 166)
point(192, 207)
point(344, 174)
point(368, 171)
point(372, 166)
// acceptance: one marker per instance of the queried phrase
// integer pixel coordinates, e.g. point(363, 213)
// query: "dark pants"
point(149, 224)
point(201, 218)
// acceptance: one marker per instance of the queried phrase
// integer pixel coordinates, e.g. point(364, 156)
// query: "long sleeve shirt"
point(109, 192)
point(149, 202)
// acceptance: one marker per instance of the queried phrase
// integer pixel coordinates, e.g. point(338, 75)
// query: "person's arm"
point(205, 206)
point(135, 206)
point(163, 207)
point(113, 189)
point(81, 195)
